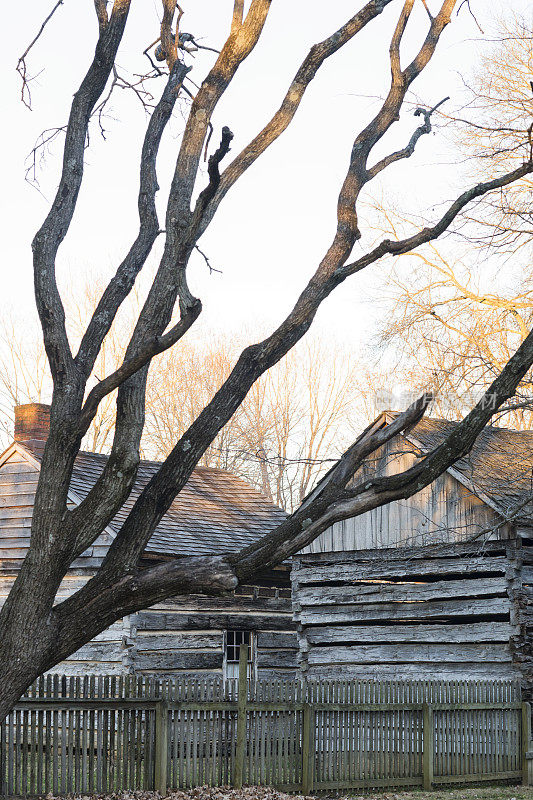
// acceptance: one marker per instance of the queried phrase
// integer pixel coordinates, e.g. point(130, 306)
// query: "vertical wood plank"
point(161, 747)
point(241, 717)
point(308, 748)
point(526, 739)
point(428, 746)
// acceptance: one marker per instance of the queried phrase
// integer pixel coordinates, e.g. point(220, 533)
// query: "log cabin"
point(436, 586)
point(216, 512)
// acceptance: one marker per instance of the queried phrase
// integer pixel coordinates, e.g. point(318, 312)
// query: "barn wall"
point(448, 611)
point(187, 635)
point(445, 511)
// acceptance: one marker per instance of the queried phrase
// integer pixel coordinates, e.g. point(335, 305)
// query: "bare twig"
point(21, 63)
point(207, 261)
point(37, 154)
point(409, 149)
point(469, 7)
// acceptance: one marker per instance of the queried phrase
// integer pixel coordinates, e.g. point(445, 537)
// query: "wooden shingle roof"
point(499, 467)
point(216, 512)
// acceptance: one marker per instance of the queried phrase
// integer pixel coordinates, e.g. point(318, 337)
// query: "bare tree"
point(494, 130)
point(23, 372)
point(293, 422)
point(449, 328)
point(287, 430)
point(35, 634)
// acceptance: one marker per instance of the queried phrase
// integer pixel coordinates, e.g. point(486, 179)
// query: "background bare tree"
point(449, 328)
point(454, 317)
point(35, 633)
point(295, 420)
point(493, 130)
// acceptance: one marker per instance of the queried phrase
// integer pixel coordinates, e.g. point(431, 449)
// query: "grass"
point(471, 793)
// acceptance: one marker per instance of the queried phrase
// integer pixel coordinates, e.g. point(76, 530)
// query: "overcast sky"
point(272, 230)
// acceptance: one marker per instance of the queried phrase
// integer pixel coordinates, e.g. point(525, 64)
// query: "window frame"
point(252, 653)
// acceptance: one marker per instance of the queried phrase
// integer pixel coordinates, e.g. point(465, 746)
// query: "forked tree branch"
point(281, 120)
point(401, 246)
point(133, 365)
point(54, 229)
point(122, 283)
point(409, 149)
point(329, 503)
point(120, 586)
point(213, 575)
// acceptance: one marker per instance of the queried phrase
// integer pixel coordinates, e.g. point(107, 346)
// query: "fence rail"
point(85, 736)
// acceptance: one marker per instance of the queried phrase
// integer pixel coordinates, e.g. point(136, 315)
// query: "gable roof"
point(215, 512)
point(498, 469)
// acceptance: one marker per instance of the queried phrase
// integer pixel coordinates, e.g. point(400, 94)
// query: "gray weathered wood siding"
point(187, 635)
point(448, 611)
point(445, 511)
point(522, 644)
point(18, 484)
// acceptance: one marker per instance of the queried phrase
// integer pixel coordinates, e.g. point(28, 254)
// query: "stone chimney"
point(32, 422)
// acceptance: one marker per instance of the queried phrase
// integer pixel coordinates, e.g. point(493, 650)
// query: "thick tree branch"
point(309, 521)
point(401, 246)
point(54, 229)
point(237, 17)
point(122, 283)
point(100, 6)
point(75, 622)
point(281, 120)
point(169, 40)
point(148, 586)
point(394, 50)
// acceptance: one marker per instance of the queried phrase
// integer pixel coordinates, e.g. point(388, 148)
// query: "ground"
point(264, 793)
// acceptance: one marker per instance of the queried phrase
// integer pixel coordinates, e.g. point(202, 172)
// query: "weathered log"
point(476, 632)
point(388, 592)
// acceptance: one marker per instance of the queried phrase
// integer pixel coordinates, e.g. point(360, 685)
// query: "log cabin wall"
point(445, 511)
point(189, 635)
point(447, 611)
point(522, 644)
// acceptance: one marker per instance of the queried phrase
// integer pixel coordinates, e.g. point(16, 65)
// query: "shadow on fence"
point(97, 735)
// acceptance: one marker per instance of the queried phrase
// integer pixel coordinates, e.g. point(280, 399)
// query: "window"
point(234, 641)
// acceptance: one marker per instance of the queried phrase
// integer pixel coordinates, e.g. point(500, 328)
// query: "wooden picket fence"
point(99, 735)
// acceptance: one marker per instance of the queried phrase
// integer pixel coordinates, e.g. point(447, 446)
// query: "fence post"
point(308, 748)
point(161, 747)
point(240, 747)
point(428, 746)
point(526, 741)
